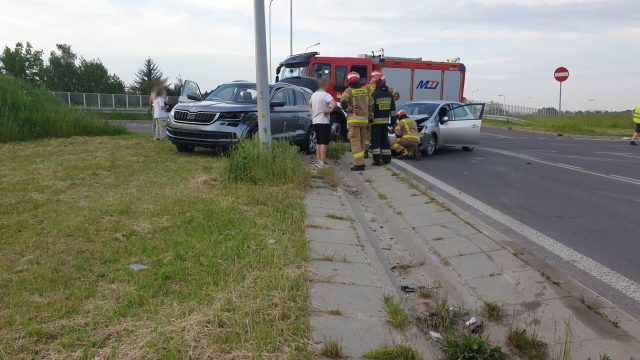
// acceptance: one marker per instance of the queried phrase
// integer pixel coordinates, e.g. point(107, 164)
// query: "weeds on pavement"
point(470, 346)
point(393, 352)
point(492, 311)
point(527, 344)
point(336, 149)
point(331, 349)
point(396, 315)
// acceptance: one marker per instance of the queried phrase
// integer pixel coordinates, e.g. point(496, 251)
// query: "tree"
point(93, 76)
point(23, 62)
point(176, 88)
point(61, 71)
point(145, 77)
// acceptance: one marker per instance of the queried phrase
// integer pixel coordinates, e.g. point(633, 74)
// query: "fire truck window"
point(362, 70)
point(321, 71)
point(341, 74)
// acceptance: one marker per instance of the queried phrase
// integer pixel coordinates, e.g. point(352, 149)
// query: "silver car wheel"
point(431, 146)
point(313, 141)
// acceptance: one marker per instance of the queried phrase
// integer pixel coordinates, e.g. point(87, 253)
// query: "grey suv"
point(229, 114)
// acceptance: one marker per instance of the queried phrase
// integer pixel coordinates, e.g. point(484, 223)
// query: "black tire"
point(310, 142)
point(429, 145)
point(339, 127)
point(468, 148)
point(185, 148)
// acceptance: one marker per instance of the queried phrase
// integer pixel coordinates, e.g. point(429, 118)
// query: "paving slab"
point(357, 335)
point(516, 288)
point(339, 252)
point(333, 236)
point(327, 223)
point(323, 210)
point(487, 264)
point(454, 246)
point(435, 231)
point(325, 202)
point(353, 301)
point(484, 242)
point(427, 215)
point(618, 348)
point(345, 273)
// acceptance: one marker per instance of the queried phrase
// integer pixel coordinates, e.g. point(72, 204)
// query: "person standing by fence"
point(158, 103)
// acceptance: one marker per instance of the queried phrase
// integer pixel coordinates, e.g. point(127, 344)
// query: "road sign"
point(561, 74)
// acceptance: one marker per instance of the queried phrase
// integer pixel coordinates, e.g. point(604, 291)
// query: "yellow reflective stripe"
point(386, 152)
point(357, 121)
point(358, 154)
point(379, 121)
point(375, 151)
point(411, 137)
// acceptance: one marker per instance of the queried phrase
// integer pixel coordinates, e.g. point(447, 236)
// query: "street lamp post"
point(262, 81)
point(504, 104)
point(291, 27)
point(270, 66)
point(310, 46)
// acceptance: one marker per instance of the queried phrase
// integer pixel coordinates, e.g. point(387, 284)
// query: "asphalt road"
point(582, 192)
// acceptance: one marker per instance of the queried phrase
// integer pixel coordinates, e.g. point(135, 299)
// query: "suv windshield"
point(237, 92)
point(422, 109)
point(289, 72)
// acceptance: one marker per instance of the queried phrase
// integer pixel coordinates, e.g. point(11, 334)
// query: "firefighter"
point(384, 107)
point(408, 137)
point(356, 101)
point(636, 121)
point(372, 88)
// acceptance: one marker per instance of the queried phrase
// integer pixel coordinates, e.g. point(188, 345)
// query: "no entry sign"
point(561, 74)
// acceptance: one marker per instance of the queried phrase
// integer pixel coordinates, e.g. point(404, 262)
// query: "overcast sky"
point(510, 47)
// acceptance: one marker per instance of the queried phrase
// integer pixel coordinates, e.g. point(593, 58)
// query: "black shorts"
point(323, 133)
point(638, 128)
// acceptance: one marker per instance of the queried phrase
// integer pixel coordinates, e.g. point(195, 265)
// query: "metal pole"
point(262, 81)
point(560, 102)
point(291, 27)
point(113, 101)
point(270, 66)
point(69, 98)
point(98, 100)
point(84, 99)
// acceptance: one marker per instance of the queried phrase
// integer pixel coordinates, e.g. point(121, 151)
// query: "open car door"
point(461, 126)
point(190, 92)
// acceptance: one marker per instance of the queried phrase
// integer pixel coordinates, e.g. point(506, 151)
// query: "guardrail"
point(108, 102)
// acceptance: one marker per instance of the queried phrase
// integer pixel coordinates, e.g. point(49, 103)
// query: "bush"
point(28, 112)
point(471, 347)
point(248, 164)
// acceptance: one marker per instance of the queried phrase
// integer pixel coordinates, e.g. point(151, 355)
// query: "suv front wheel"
point(185, 148)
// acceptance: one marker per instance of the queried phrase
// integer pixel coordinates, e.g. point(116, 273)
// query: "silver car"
point(445, 124)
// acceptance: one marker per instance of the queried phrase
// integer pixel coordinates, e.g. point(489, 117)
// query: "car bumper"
point(212, 135)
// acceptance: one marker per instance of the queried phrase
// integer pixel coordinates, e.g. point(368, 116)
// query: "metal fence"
point(501, 109)
point(107, 102)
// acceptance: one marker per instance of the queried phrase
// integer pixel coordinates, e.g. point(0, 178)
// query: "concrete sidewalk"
point(348, 280)
point(479, 267)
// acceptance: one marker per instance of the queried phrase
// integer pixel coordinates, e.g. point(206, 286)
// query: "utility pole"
point(270, 53)
point(290, 27)
point(262, 77)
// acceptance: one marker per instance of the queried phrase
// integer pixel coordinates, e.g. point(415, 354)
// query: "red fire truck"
point(414, 78)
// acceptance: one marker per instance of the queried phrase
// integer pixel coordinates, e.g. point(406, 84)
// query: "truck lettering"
point(427, 85)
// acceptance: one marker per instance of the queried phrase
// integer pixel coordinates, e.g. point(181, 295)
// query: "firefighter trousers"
point(380, 145)
point(367, 139)
point(405, 147)
point(357, 137)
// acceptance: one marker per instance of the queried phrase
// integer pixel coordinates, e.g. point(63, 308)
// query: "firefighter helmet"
point(353, 77)
point(402, 114)
point(374, 73)
point(379, 80)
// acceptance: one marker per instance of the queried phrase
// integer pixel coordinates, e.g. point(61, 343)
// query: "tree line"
point(65, 71)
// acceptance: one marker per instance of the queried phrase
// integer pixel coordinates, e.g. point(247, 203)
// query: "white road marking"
point(565, 166)
point(619, 154)
point(498, 136)
point(590, 266)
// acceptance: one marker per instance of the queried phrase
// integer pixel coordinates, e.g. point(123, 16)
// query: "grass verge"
point(336, 149)
point(120, 115)
point(393, 352)
point(603, 125)
point(226, 260)
point(396, 315)
point(28, 113)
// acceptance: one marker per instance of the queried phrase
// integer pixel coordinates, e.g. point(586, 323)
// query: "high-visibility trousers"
point(357, 137)
point(405, 147)
point(380, 145)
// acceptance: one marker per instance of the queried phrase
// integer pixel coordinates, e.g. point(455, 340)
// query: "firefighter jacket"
point(358, 104)
point(384, 105)
point(636, 115)
point(394, 92)
point(406, 128)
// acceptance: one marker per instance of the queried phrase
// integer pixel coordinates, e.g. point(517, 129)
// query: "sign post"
point(262, 77)
point(561, 74)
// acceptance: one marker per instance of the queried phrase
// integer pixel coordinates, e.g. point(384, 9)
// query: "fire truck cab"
point(414, 78)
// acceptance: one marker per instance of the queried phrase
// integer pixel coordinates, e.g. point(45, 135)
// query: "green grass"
point(527, 344)
point(470, 347)
point(492, 311)
point(120, 115)
point(336, 149)
point(75, 212)
point(331, 349)
point(605, 125)
point(251, 165)
point(28, 113)
point(393, 352)
point(396, 316)
point(443, 317)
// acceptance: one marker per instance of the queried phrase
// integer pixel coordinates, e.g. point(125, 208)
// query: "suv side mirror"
point(276, 104)
point(193, 97)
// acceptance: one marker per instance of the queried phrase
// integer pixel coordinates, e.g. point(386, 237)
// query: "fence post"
point(84, 99)
point(113, 101)
point(98, 100)
point(69, 98)
point(140, 100)
point(126, 100)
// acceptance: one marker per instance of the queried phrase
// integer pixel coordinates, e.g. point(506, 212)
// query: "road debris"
point(137, 267)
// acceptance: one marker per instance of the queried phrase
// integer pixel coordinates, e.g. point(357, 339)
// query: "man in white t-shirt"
point(321, 106)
